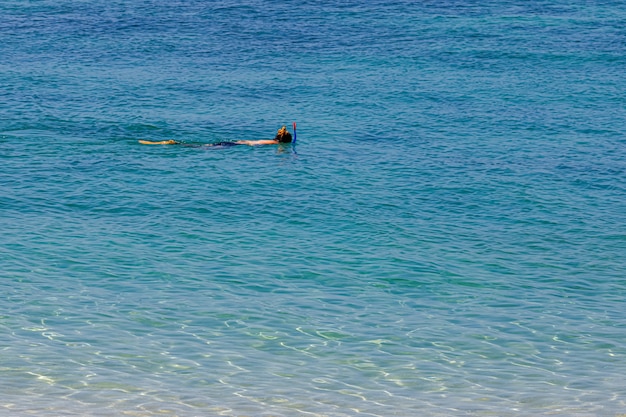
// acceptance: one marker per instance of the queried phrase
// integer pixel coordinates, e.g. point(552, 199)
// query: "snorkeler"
point(282, 136)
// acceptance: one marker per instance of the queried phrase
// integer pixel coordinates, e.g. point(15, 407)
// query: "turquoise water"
point(447, 238)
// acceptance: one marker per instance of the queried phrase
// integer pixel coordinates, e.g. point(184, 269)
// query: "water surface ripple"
point(447, 238)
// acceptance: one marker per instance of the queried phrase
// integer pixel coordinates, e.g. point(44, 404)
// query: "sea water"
point(447, 238)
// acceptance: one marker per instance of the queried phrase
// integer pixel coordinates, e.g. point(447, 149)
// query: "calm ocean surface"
point(447, 238)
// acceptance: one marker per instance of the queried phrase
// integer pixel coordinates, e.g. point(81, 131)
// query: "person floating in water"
point(282, 136)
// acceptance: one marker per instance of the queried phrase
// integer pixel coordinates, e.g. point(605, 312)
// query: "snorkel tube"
point(293, 142)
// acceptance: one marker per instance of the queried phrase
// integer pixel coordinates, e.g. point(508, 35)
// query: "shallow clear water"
point(446, 238)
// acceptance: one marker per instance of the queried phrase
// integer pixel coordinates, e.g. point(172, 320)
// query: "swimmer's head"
point(283, 135)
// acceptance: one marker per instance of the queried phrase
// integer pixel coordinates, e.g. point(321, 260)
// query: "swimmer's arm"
point(257, 142)
point(162, 142)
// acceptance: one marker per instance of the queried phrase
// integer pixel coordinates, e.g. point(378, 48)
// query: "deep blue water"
point(447, 238)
